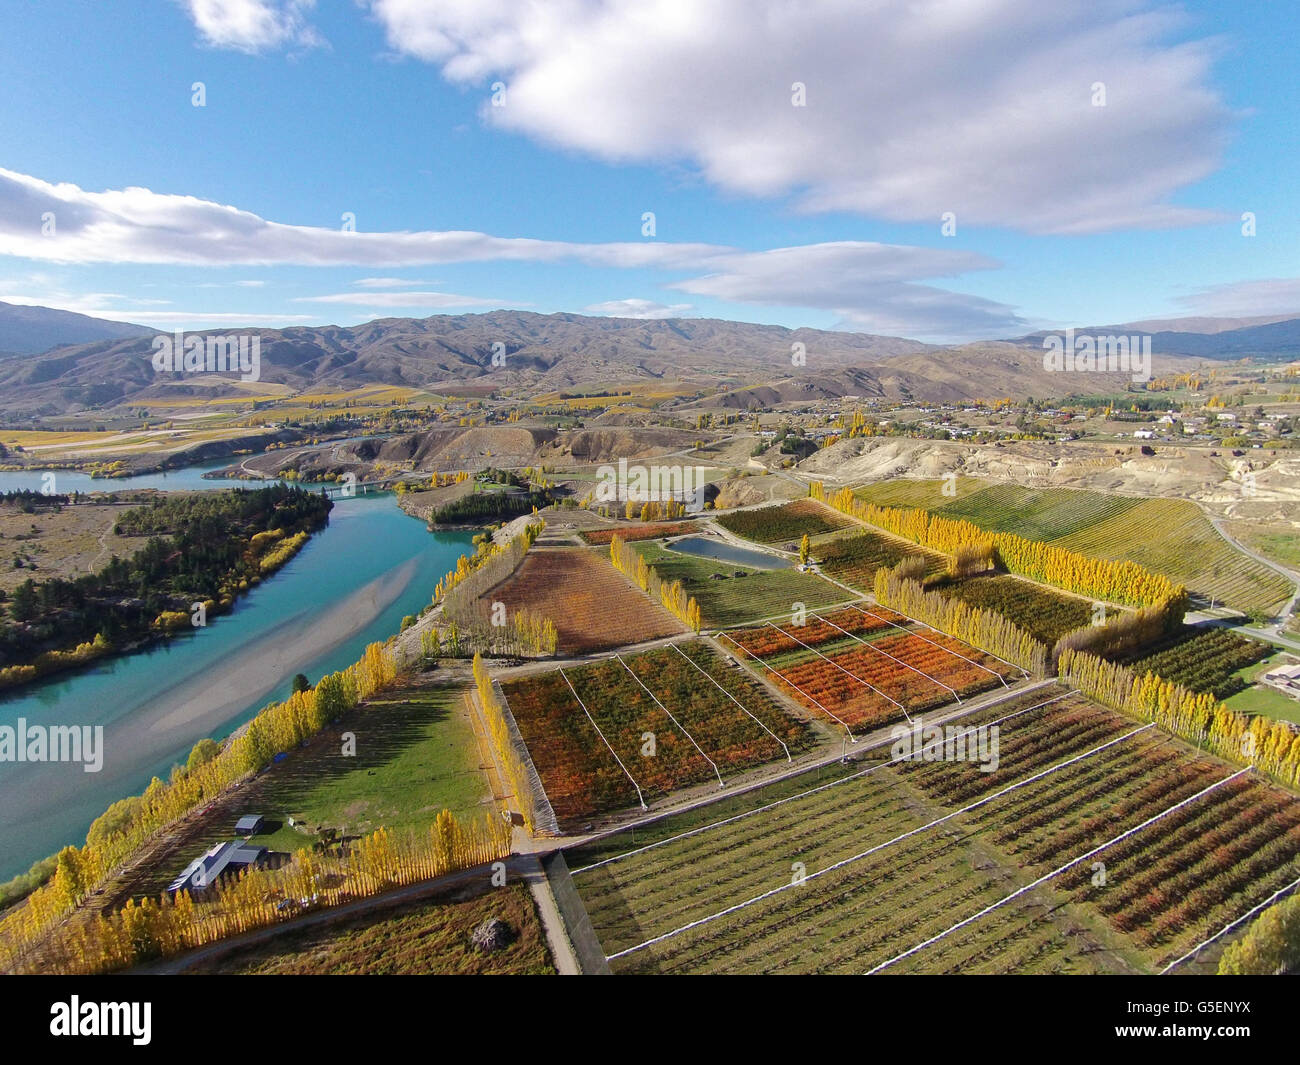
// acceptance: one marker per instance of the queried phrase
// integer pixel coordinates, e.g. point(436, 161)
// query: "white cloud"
point(1246, 299)
point(872, 287)
point(913, 107)
point(199, 318)
point(402, 299)
point(861, 281)
point(136, 225)
point(108, 305)
point(390, 282)
point(639, 308)
point(253, 25)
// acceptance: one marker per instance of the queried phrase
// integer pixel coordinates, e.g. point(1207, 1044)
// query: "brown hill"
point(534, 351)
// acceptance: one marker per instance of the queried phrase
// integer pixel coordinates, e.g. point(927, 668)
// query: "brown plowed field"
point(594, 607)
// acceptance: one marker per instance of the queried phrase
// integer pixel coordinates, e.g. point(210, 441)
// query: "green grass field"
point(927, 494)
point(1261, 699)
point(738, 600)
point(1281, 543)
point(415, 756)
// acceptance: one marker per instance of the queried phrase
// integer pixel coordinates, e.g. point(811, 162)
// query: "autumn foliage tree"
point(980, 628)
point(1272, 747)
point(1101, 579)
point(145, 929)
point(1270, 947)
point(129, 824)
point(671, 594)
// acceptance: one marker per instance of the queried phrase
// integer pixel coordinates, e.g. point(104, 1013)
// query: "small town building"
point(1285, 677)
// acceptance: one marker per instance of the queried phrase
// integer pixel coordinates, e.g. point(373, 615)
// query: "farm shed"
point(221, 859)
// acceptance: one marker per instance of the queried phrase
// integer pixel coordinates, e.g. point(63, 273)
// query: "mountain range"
point(28, 330)
point(755, 365)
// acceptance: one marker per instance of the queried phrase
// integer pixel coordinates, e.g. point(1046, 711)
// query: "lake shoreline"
point(349, 586)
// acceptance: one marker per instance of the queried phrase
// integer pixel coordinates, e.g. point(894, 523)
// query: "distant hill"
point(552, 352)
point(1274, 337)
point(31, 330)
point(986, 370)
point(541, 352)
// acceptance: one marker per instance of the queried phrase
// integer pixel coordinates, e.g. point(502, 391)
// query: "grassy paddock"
point(415, 756)
point(732, 600)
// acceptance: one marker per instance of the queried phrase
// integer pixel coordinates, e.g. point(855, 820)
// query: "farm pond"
point(724, 552)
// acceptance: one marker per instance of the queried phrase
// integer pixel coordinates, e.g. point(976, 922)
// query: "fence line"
point(847, 672)
point(935, 643)
point(1229, 927)
point(544, 820)
point(868, 644)
point(772, 669)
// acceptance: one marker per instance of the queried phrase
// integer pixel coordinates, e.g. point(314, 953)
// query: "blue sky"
point(825, 215)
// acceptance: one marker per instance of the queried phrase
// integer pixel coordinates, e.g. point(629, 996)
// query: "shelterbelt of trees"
point(207, 548)
point(982, 628)
point(512, 762)
point(1272, 747)
point(257, 898)
point(528, 632)
point(129, 825)
point(671, 595)
point(1115, 582)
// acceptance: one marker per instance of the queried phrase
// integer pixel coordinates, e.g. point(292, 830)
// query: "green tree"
point(201, 753)
point(1270, 947)
point(22, 605)
point(331, 698)
point(301, 683)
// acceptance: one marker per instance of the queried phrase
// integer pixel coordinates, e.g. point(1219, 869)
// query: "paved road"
point(1290, 575)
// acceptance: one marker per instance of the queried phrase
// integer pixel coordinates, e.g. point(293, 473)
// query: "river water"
point(349, 586)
